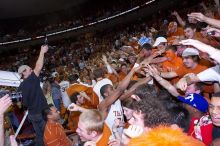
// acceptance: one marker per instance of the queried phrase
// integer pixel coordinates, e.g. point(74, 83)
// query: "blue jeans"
point(38, 124)
point(57, 104)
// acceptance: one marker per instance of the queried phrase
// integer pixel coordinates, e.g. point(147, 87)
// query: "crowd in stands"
point(65, 19)
point(149, 83)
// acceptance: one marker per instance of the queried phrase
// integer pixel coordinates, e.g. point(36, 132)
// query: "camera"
point(15, 96)
point(211, 33)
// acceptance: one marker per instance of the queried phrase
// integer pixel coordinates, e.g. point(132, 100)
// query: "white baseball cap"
point(159, 40)
point(190, 52)
point(22, 68)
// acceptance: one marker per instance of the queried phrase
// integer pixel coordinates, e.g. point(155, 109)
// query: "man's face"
point(204, 33)
point(137, 119)
point(189, 33)
point(170, 54)
point(128, 112)
point(188, 62)
point(109, 90)
point(83, 133)
point(54, 114)
point(214, 110)
point(145, 53)
point(132, 59)
point(80, 100)
point(162, 46)
point(124, 69)
point(191, 89)
point(26, 73)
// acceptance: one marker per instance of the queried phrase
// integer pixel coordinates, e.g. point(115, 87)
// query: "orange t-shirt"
point(173, 64)
point(73, 120)
point(183, 70)
point(105, 137)
point(113, 78)
point(54, 135)
point(179, 32)
point(122, 75)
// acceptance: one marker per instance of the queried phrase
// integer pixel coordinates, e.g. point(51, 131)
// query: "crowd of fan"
point(137, 86)
point(94, 12)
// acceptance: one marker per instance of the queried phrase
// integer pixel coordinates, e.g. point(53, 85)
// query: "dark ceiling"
point(21, 8)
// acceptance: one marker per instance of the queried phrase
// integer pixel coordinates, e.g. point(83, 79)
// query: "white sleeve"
point(210, 74)
point(109, 69)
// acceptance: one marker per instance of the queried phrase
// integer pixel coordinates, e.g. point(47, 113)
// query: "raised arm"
point(167, 85)
point(40, 60)
point(109, 67)
point(135, 86)
point(202, 18)
point(104, 105)
point(168, 75)
point(75, 108)
point(179, 19)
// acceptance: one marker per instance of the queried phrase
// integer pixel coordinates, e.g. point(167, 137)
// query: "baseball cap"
point(159, 40)
point(22, 68)
point(143, 40)
point(54, 74)
point(195, 100)
point(190, 52)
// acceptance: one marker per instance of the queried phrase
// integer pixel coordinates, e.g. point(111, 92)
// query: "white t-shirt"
point(65, 98)
point(211, 74)
point(115, 112)
point(99, 85)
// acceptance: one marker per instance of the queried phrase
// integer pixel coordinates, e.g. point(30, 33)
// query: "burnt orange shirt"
point(54, 135)
point(172, 65)
point(105, 137)
point(179, 32)
point(122, 75)
point(113, 78)
point(183, 70)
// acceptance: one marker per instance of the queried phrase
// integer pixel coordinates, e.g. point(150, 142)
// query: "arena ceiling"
point(21, 8)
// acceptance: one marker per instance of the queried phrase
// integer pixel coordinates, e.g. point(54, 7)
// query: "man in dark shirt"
point(32, 94)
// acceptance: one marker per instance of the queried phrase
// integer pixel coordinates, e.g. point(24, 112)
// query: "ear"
point(94, 133)
point(106, 94)
point(137, 98)
point(198, 91)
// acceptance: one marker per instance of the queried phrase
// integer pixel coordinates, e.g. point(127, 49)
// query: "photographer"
point(5, 102)
point(32, 94)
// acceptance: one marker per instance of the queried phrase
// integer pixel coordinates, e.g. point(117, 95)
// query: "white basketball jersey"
point(115, 112)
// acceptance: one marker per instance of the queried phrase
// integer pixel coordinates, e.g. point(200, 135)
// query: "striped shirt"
point(54, 135)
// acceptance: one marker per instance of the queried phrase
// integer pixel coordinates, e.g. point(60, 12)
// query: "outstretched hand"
point(134, 131)
point(198, 16)
point(73, 107)
point(152, 70)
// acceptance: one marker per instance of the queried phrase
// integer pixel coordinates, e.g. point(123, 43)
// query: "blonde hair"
point(165, 136)
point(93, 120)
